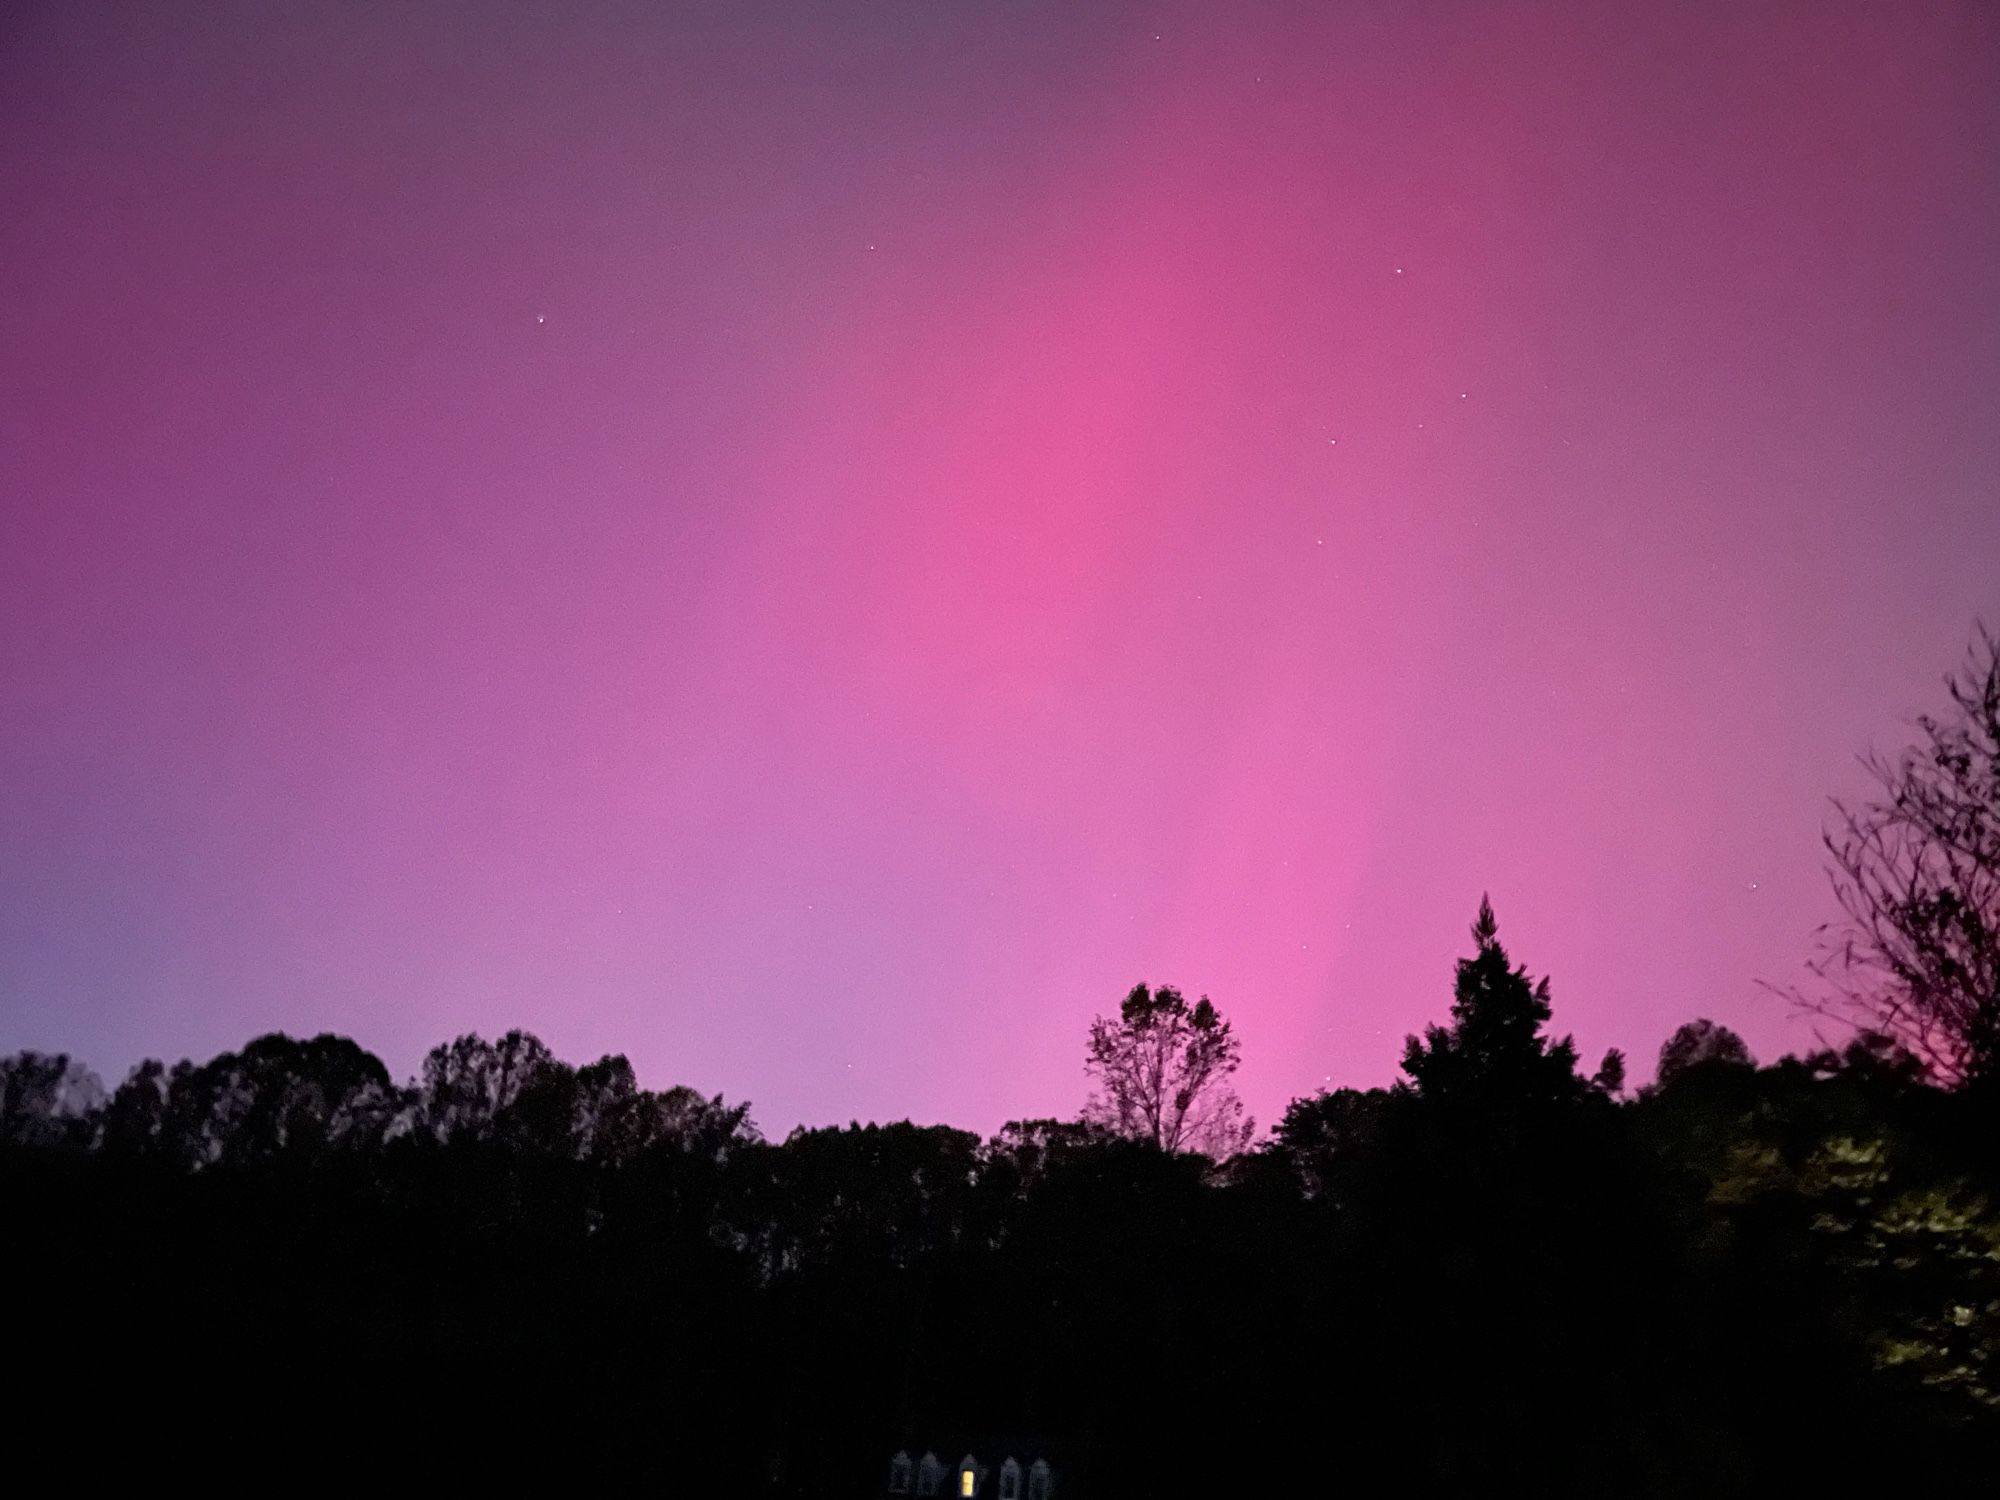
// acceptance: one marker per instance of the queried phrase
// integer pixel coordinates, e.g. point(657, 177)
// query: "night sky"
point(816, 544)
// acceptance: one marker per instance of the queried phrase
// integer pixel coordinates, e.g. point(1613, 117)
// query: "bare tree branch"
point(1916, 872)
point(1162, 1070)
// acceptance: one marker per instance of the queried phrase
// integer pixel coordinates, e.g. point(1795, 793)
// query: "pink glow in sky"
point(816, 545)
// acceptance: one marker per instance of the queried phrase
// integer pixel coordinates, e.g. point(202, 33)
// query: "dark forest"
point(1742, 1277)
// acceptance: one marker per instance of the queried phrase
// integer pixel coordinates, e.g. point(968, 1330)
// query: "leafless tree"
point(1916, 869)
point(1162, 1071)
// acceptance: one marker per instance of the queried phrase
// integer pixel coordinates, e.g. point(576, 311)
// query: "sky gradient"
point(817, 544)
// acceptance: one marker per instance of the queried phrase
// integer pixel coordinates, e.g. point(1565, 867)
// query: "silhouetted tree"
point(669, 1301)
point(276, 1095)
point(1162, 1070)
point(133, 1120)
point(607, 1122)
point(279, 1094)
point(1328, 1138)
point(1493, 1052)
point(1508, 1221)
point(1874, 1057)
point(46, 1099)
point(1701, 1042)
point(471, 1087)
point(880, 1194)
point(617, 1124)
point(1916, 869)
point(1609, 1079)
point(1024, 1153)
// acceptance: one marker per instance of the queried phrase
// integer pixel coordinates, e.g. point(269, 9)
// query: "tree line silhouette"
point(1737, 1278)
point(281, 1266)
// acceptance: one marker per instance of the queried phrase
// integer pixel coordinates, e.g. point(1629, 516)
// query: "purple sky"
point(817, 544)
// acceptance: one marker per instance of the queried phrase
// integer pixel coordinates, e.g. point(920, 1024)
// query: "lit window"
point(967, 1481)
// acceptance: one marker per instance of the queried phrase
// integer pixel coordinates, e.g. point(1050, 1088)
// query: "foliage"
point(591, 1283)
point(1701, 1043)
point(1327, 1139)
point(1492, 1058)
point(1162, 1071)
point(46, 1100)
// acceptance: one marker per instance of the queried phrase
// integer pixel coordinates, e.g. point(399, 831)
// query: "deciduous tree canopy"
point(1162, 1069)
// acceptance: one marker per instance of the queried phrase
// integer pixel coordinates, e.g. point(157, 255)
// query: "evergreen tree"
point(1493, 1052)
